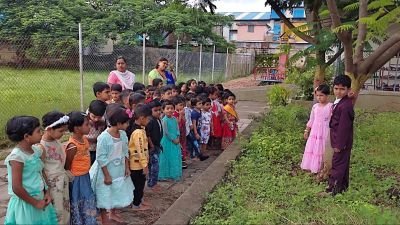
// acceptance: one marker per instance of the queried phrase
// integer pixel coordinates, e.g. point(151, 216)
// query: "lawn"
point(37, 91)
point(266, 186)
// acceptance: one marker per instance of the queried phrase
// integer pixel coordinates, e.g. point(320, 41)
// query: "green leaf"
point(352, 7)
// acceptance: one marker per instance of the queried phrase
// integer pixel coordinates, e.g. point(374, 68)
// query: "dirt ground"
point(243, 82)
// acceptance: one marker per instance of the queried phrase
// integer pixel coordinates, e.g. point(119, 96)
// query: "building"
point(263, 31)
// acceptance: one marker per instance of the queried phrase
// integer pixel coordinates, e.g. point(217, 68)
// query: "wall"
point(257, 35)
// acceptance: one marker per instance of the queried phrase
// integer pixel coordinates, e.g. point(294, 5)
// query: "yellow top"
point(138, 150)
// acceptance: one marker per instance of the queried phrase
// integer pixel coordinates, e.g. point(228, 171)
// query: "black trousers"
point(139, 180)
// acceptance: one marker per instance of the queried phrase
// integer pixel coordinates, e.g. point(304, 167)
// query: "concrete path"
point(171, 191)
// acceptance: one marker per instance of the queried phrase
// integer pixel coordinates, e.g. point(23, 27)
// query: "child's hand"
point(47, 198)
point(127, 172)
point(182, 112)
point(306, 133)
point(146, 170)
point(336, 150)
point(197, 136)
point(40, 204)
point(176, 141)
point(107, 180)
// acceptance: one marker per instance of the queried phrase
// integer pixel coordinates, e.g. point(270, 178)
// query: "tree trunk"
point(319, 75)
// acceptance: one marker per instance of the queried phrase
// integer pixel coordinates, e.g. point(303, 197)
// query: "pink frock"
point(315, 147)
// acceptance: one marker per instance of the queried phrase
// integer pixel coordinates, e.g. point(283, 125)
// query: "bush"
point(278, 96)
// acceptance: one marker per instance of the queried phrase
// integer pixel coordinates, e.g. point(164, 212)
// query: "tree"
point(378, 22)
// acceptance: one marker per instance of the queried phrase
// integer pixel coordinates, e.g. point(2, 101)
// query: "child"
point(179, 114)
point(157, 83)
point(82, 199)
point(183, 88)
point(341, 135)
point(134, 100)
point(206, 126)
point(137, 86)
point(110, 173)
point(124, 98)
point(319, 126)
point(154, 133)
point(195, 129)
point(139, 155)
point(116, 90)
point(97, 125)
point(192, 86)
point(157, 95)
point(55, 124)
point(149, 94)
point(175, 91)
point(216, 110)
point(229, 125)
point(30, 201)
point(101, 91)
point(166, 93)
point(171, 156)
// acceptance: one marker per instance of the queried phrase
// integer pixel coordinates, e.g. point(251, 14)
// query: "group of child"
point(329, 135)
point(125, 136)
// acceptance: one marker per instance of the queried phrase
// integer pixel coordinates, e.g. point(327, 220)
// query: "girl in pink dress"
point(317, 131)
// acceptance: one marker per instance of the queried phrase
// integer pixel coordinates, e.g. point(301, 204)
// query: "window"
point(250, 28)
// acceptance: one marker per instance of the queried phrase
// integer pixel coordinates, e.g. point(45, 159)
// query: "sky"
point(241, 6)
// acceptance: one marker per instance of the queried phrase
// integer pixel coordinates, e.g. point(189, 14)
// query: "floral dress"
point(205, 126)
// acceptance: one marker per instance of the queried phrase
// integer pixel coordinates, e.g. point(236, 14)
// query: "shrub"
point(278, 96)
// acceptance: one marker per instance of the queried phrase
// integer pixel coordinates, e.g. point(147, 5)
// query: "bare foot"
point(141, 207)
point(114, 217)
point(145, 203)
point(156, 188)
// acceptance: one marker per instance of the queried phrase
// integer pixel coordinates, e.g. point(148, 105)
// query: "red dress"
point(229, 129)
point(182, 136)
point(216, 110)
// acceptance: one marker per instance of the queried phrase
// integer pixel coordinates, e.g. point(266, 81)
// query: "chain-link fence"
point(40, 74)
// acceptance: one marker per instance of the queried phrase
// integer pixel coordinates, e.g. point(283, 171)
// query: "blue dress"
point(169, 78)
point(19, 211)
point(111, 152)
point(170, 159)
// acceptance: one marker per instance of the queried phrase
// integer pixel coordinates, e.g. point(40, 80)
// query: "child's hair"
point(205, 100)
point(116, 87)
point(324, 89)
point(202, 96)
point(211, 90)
point(202, 83)
point(180, 85)
point(151, 88)
point(136, 98)
point(167, 102)
point(154, 103)
point(156, 82)
point(342, 80)
point(49, 119)
point(138, 86)
point(178, 100)
point(97, 107)
point(189, 96)
point(199, 90)
point(18, 126)
point(189, 82)
point(76, 119)
point(194, 101)
point(116, 114)
point(219, 87)
point(125, 94)
point(165, 89)
point(176, 88)
point(99, 87)
point(227, 94)
point(142, 110)
point(141, 92)
point(157, 93)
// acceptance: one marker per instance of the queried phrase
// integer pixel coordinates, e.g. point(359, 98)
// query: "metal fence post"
point(201, 50)
point(144, 58)
point(81, 63)
point(226, 63)
point(176, 58)
point(213, 64)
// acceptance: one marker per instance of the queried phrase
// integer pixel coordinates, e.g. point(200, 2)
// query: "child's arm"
point(18, 188)
point(71, 151)
point(345, 127)
point(166, 133)
point(309, 123)
point(47, 197)
point(194, 124)
point(102, 159)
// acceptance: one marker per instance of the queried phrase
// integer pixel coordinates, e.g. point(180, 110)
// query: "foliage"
point(278, 96)
point(266, 60)
point(266, 185)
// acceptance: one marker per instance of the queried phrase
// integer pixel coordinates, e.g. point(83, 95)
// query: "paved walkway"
point(171, 191)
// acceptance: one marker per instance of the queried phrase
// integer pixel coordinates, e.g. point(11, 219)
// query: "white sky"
point(241, 6)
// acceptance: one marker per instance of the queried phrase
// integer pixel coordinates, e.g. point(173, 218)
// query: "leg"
point(137, 182)
point(340, 165)
point(153, 169)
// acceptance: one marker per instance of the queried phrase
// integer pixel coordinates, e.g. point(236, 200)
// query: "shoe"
point(184, 165)
point(203, 157)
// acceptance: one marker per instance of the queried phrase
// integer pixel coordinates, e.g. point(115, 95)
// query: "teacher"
point(161, 72)
point(121, 76)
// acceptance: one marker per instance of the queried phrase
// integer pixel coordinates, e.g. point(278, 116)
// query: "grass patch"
point(266, 185)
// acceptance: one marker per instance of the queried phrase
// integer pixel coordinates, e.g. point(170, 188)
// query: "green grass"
point(37, 91)
point(266, 185)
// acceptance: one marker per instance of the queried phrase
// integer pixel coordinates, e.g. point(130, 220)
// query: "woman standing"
point(161, 72)
point(121, 76)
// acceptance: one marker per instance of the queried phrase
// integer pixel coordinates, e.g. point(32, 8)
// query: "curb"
point(188, 205)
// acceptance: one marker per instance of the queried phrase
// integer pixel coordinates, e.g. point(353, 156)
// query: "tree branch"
point(362, 33)
point(334, 13)
point(384, 58)
point(335, 56)
point(289, 24)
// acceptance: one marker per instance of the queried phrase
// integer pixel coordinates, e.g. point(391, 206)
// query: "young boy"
point(195, 134)
point(102, 91)
point(149, 94)
point(97, 125)
point(116, 90)
point(154, 133)
point(180, 102)
point(134, 100)
point(166, 93)
point(341, 134)
point(138, 155)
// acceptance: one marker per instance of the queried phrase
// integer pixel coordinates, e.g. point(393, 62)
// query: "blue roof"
point(298, 13)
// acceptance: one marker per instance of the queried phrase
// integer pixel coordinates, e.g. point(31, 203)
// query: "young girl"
point(171, 157)
point(82, 199)
point(179, 113)
point(110, 174)
point(216, 110)
point(229, 125)
point(55, 124)
point(319, 126)
point(206, 125)
point(30, 201)
point(192, 86)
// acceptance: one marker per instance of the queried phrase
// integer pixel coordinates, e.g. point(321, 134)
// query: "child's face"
point(321, 97)
point(115, 95)
point(199, 105)
point(35, 137)
point(156, 112)
point(340, 91)
point(214, 95)
point(104, 95)
point(193, 86)
point(230, 100)
point(184, 88)
point(160, 85)
point(122, 126)
point(206, 106)
point(142, 120)
point(168, 110)
point(133, 106)
point(94, 118)
point(174, 92)
point(57, 133)
point(84, 129)
point(167, 95)
point(179, 107)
